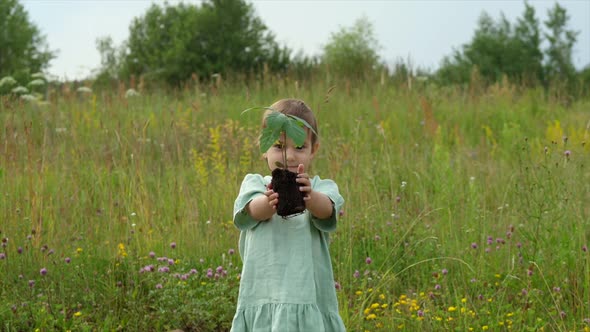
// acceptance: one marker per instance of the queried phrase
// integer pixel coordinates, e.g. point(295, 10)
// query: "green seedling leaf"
point(276, 120)
point(268, 137)
point(303, 123)
point(296, 132)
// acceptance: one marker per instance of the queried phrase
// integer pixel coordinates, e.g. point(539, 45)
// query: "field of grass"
point(465, 210)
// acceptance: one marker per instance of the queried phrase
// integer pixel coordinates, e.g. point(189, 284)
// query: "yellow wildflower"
point(358, 292)
point(485, 327)
point(451, 309)
point(371, 317)
point(77, 314)
point(375, 305)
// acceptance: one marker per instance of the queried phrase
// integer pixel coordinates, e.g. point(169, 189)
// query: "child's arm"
point(318, 204)
point(263, 207)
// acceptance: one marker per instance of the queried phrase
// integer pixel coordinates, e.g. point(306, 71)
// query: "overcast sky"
point(422, 31)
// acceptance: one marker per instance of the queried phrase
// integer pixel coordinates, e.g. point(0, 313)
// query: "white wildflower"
point(131, 93)
point(8, 81)
point(61, 130)
point(39, 75)
point(84, 89)
point(20, 89)
point(28, 97)
point(37, 82)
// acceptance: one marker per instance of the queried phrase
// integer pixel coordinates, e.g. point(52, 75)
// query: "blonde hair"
point(296, 108)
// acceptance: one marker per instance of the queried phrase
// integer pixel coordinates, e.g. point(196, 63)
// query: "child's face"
point(295, 155)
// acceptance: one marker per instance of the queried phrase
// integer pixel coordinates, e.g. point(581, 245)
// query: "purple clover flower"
point(43, 271)
point(368, 260)
point(173, 245)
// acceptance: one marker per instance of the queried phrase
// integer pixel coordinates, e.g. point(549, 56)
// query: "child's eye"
point(278, 145)
point(300, 147)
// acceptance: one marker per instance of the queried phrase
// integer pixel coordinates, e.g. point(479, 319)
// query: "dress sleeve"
point(252, 186)
point(330, 189)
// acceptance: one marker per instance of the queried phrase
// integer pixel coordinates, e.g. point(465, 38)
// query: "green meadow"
point(466, 209)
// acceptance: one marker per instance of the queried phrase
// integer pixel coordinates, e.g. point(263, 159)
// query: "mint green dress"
point(287, 283)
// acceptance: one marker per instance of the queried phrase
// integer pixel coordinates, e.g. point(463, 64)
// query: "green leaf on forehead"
point(276, 120)
point(268, 137)
point(295, 132)
point(302, 123)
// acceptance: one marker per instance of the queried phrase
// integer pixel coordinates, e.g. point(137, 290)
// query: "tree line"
point(172, 44)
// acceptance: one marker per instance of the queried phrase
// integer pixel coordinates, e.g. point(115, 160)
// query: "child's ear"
point(314, 149)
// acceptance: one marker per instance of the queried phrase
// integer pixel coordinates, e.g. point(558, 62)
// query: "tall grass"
point(464, 209)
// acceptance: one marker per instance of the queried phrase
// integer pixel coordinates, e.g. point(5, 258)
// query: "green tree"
point(352, 51)
point(171, 43)
point(559, 65)
point(23, 49)
point(498, 48)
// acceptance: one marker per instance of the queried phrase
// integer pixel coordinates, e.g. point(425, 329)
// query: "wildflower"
point(43, 271)
point(375, 305)
point(398, 199)
point(420, 313)
point(368, 260)
point(358, 293)
point(556, 289)
point(193, 271)
point(341, 213)
point(377, 237)
point(219, 269)
point(173, 245)
point(209, 273)
point(19, 250)
point(584, 248)
point(152, 254)
point(170, 261)
point(2, 255)
point(567, 153)
point(67, 260)
point(485, 328)
point(31, 283)
point(337, 285)
point(159, 286)
point(79, 250)
point(437, 287)
point(231, 251)
point(84, 89)
point(371, 316)
point(452, 309)
point(131, 93)
point(404, 184)
point(445, 271)
point(77, 314)
point(164, 269)
point(474, 245)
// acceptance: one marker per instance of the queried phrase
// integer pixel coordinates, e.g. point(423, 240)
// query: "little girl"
point(287, 283)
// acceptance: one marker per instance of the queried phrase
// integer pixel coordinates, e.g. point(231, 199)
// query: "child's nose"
point(290, 154)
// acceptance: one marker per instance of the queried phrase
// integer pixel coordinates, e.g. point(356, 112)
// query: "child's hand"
point(273, 198)
point(304, 183)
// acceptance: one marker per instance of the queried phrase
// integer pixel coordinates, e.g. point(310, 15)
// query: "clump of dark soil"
point(290, 198)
